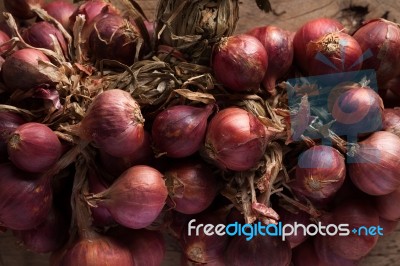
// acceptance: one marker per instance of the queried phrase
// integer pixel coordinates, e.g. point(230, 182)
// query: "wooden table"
point(296, 12)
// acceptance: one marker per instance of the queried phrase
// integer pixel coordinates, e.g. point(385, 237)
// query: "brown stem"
point(274, 164)
point(46, 17)
point(308, 209)
point(245, 198)
point(83, 217)
point(77, 29)
point(14, 28)
point(67, 159)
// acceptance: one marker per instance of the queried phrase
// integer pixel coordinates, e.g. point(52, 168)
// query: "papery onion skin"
point(34, 147)
point(311, 31)
point(179, 130)
point(61, 10)
point(279, 46)
point(387, 205)
point(239, 62)
point(25, 198)
point(24, 63)
point(49, 236)
point(38, 35)
point(91, 9)
point(192, 186)
point(357, 213)
point(260, 250)
point(98, 250)
point(335, 52)
point(320, 173)
point(112, 37)
point(357, 109)
point(114, 123)
point(391, 121)
point(4, 38)
point(374, 166)
point(22, 8)
point(136, 198)
point(381, 38)
point(9, 122)
point(235, 139)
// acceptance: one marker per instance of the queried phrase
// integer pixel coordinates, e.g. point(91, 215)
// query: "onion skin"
point(320, 173)
point(279, 46)
point(235, 139)
point(176, 222)
point(192, 186)
point(374, 167)
point(38, 35)
point(327, 257)
point(241, 252)
point(387, 207)
point(22, 8)
point(312, 31)
point(49, 236)
point(136, 198)
point(356, 213)
point(179, 130)
point(310, 253)
point(239, 62)
point(91, 9)
point(25, 199)
point(34, 147)
point(24, 63)
point(4, 38)
point(391, 121)
point(101, 216)
point(114, 123)
point(112, 37)
point(146, 246)
point(341, 52)
point(9, 122)
point(61, 10)
point(357, 109)
point(97, 250)
point(142, 155)
point(382, 38)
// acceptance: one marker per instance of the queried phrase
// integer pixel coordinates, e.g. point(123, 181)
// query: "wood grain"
point(296, 12)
